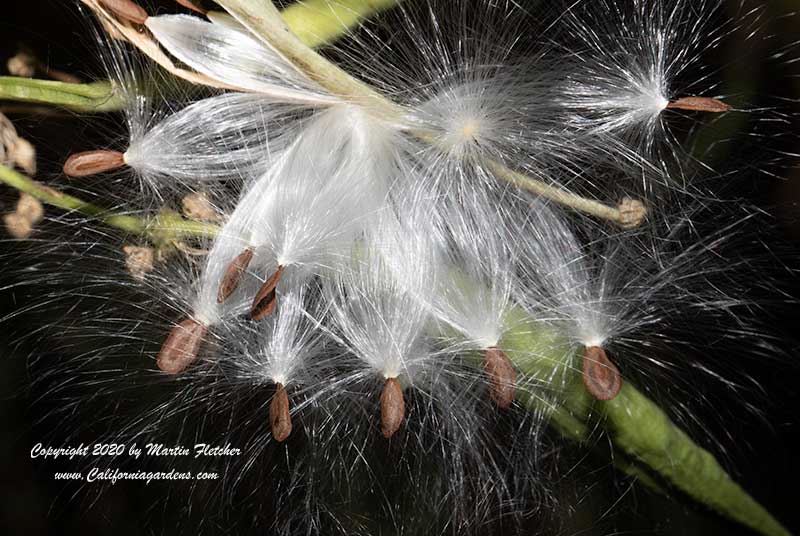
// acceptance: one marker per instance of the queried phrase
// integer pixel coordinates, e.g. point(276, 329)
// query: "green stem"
point(94, 97)
point(635, 424)
point(164, 228)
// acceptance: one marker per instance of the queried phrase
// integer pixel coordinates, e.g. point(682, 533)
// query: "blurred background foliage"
point(594, 498)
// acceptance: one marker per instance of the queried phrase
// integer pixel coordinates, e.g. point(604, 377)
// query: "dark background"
point(763, 454)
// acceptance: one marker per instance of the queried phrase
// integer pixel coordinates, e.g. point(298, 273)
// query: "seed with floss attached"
point(125, 9)
point(699, 104)
point(182, 346)
point(279, 417)
point(502, 376)
point(265, 301)
point(600, 376)
point(93, 162)
point(233, 275)
point(393, 407)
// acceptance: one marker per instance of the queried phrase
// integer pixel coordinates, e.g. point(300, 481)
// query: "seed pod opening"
point(126, 9)
point(265, 301)
point(699, 104)
point(233, 275)
point(393, 407)
point(279, 416)
point(600, 376)
point(182, 346)
point(502, 376)
point(93, 162)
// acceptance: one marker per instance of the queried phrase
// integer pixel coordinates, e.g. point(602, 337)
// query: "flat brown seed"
point(393, 407)
point(699, 104)
point(600, 376)
point(126, 9)
point(502, 376)
point(92, 162)
point(233, 275)
point(181, 347)
point(191, 5)
point(265, 301)
point(279, 417)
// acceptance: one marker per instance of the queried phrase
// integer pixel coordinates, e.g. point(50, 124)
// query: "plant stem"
point(264, 20)
point(164, 228)
point(635, 424)
point(94, 97)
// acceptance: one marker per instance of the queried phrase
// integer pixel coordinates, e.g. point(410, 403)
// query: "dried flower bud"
point(600, 376)
point(139, 261)
point(197, 206)
point(279, 416)
point(18, 226)
point(393, 407)
point(632, 213)
point(30, 208)
point(265, 301)
point(182, 346)
point(24, 155)
point(92, 162)
point(233, 275)
point(502, 376)
point(699, 104)
point(22, 64)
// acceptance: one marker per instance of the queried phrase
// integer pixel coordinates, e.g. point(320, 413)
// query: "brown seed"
point(502, 376)
point(699, 104)
point(600, 376)
point(393, 407)
point(126, 9)
point(191, 5)
point(181, 347)
point(233, 275)
point(265, 301)
point(92, 162)
point(279, 417)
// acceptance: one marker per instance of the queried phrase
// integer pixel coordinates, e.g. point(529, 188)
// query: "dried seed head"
point(139, 261)
point(502, 376)
point(265, 301)
point(92, 162)
point(600, 376)
point(233, 275)
point(181, 347)
point(699, 104)
point(279, 417)
point(126, 9)
point(632, 213)
point(393, 407)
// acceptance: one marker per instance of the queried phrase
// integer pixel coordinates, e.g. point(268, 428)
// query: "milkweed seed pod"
point(453, 224)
